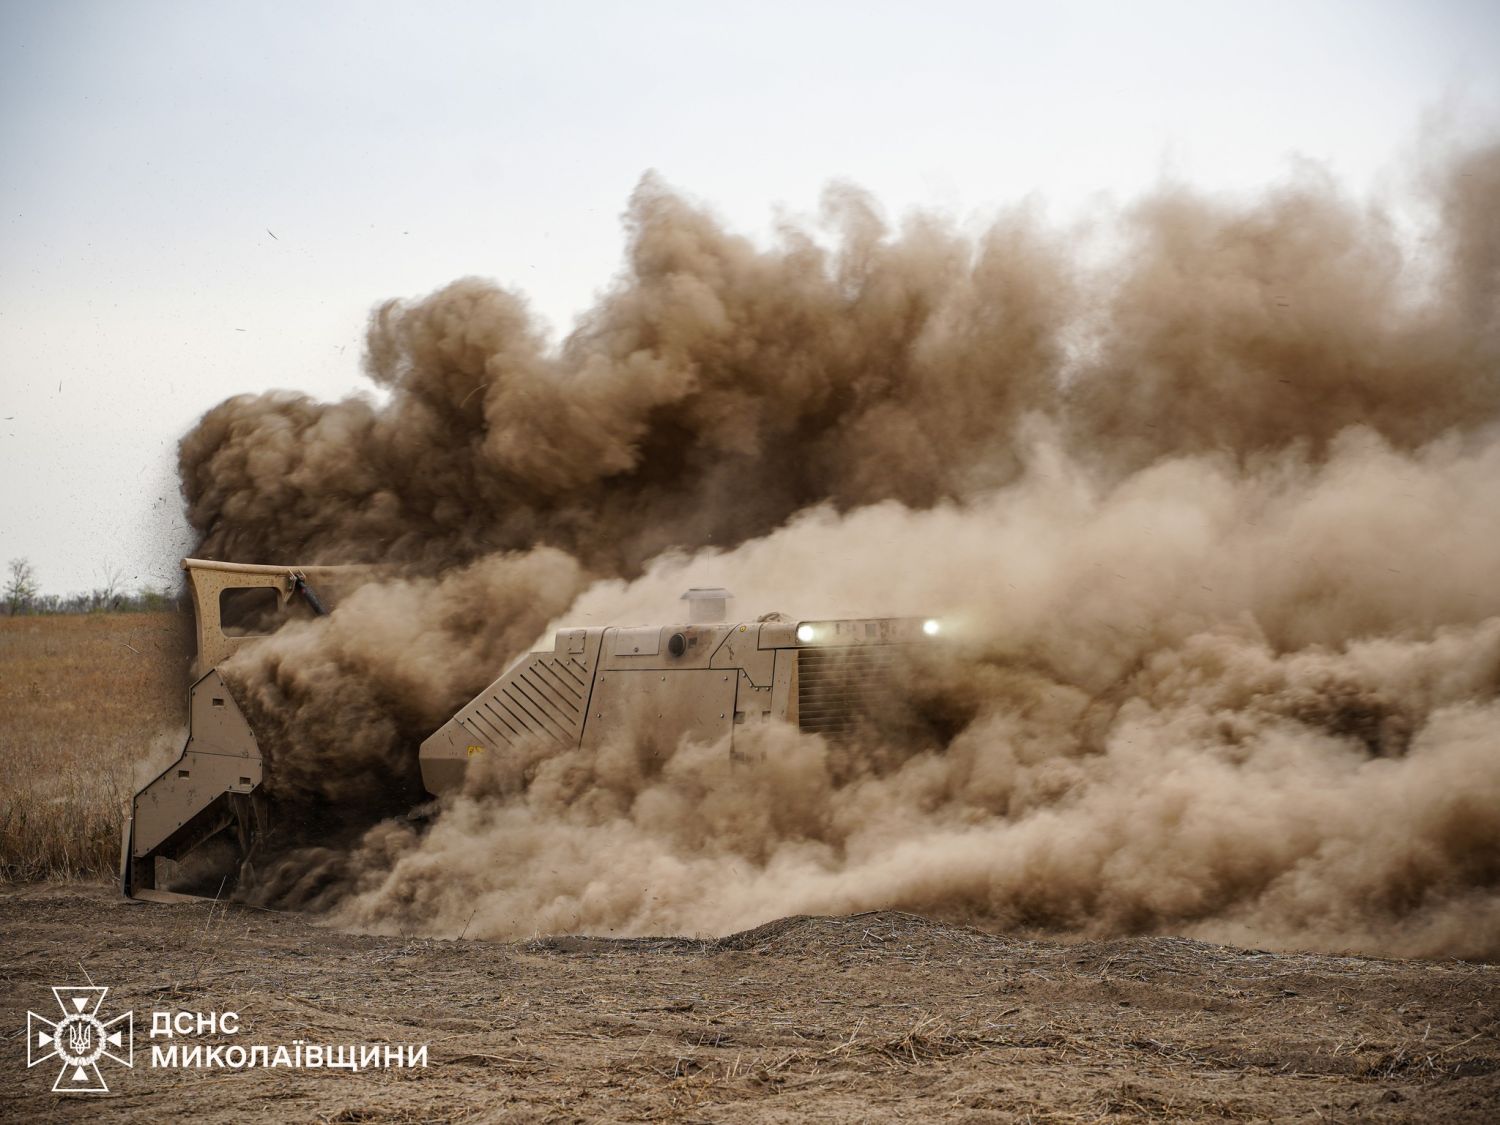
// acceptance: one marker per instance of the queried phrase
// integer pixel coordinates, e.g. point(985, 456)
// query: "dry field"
point(881, 1016)
point(82, 698)
point(876, 1017)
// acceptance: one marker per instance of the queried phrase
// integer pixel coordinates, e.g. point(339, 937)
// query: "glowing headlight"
point(931, 627)
point(804, 633)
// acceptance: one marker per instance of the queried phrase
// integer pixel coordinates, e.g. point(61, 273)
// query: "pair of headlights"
point(807, 633)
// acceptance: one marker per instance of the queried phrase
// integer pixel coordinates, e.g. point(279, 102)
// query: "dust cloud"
point(1206, 496)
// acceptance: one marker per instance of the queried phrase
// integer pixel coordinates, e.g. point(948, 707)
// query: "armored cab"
point(213, 789)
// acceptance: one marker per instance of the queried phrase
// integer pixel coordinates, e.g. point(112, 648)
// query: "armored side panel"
point(696, 703)
point(679, 681)
point(193, 798)
point(544, 695)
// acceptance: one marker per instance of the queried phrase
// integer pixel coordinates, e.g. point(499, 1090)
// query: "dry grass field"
point(82, 698)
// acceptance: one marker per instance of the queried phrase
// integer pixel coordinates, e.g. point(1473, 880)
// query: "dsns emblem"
point(80, 1039)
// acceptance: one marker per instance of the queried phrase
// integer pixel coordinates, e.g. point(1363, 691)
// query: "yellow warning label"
point(475, 749)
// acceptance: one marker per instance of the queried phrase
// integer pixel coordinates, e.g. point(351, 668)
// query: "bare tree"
point(20, 587)
point(106, 596)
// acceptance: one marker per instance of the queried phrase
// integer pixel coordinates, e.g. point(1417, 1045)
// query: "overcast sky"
point(148, 151)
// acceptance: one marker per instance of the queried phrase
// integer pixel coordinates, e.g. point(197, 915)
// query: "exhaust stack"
point(707, 605)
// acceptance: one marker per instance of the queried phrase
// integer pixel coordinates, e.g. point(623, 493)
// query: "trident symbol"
point(80, 1038)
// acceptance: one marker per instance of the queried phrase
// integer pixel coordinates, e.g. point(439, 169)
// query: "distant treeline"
point(95, 601)
point(19, 595)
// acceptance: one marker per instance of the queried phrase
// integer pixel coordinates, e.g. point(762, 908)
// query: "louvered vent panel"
point(839, 689)
point(544, 696)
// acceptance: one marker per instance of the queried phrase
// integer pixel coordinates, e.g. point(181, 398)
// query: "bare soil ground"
point(881, 1016)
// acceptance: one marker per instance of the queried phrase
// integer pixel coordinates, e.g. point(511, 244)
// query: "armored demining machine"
point(704, 679)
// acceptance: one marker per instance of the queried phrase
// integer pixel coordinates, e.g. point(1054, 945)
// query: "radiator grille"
point(840, 690)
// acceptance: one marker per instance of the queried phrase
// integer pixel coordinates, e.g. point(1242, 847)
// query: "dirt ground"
point(881, 1016)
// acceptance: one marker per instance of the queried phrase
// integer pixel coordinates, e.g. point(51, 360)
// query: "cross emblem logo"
point(80, 1039)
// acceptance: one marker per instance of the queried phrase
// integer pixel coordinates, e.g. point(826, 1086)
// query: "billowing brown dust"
point(1214, 525)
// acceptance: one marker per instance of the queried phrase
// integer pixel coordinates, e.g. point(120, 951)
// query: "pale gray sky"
point(147, 148)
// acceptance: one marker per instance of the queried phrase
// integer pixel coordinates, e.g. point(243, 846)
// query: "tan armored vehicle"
point(705, 678)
